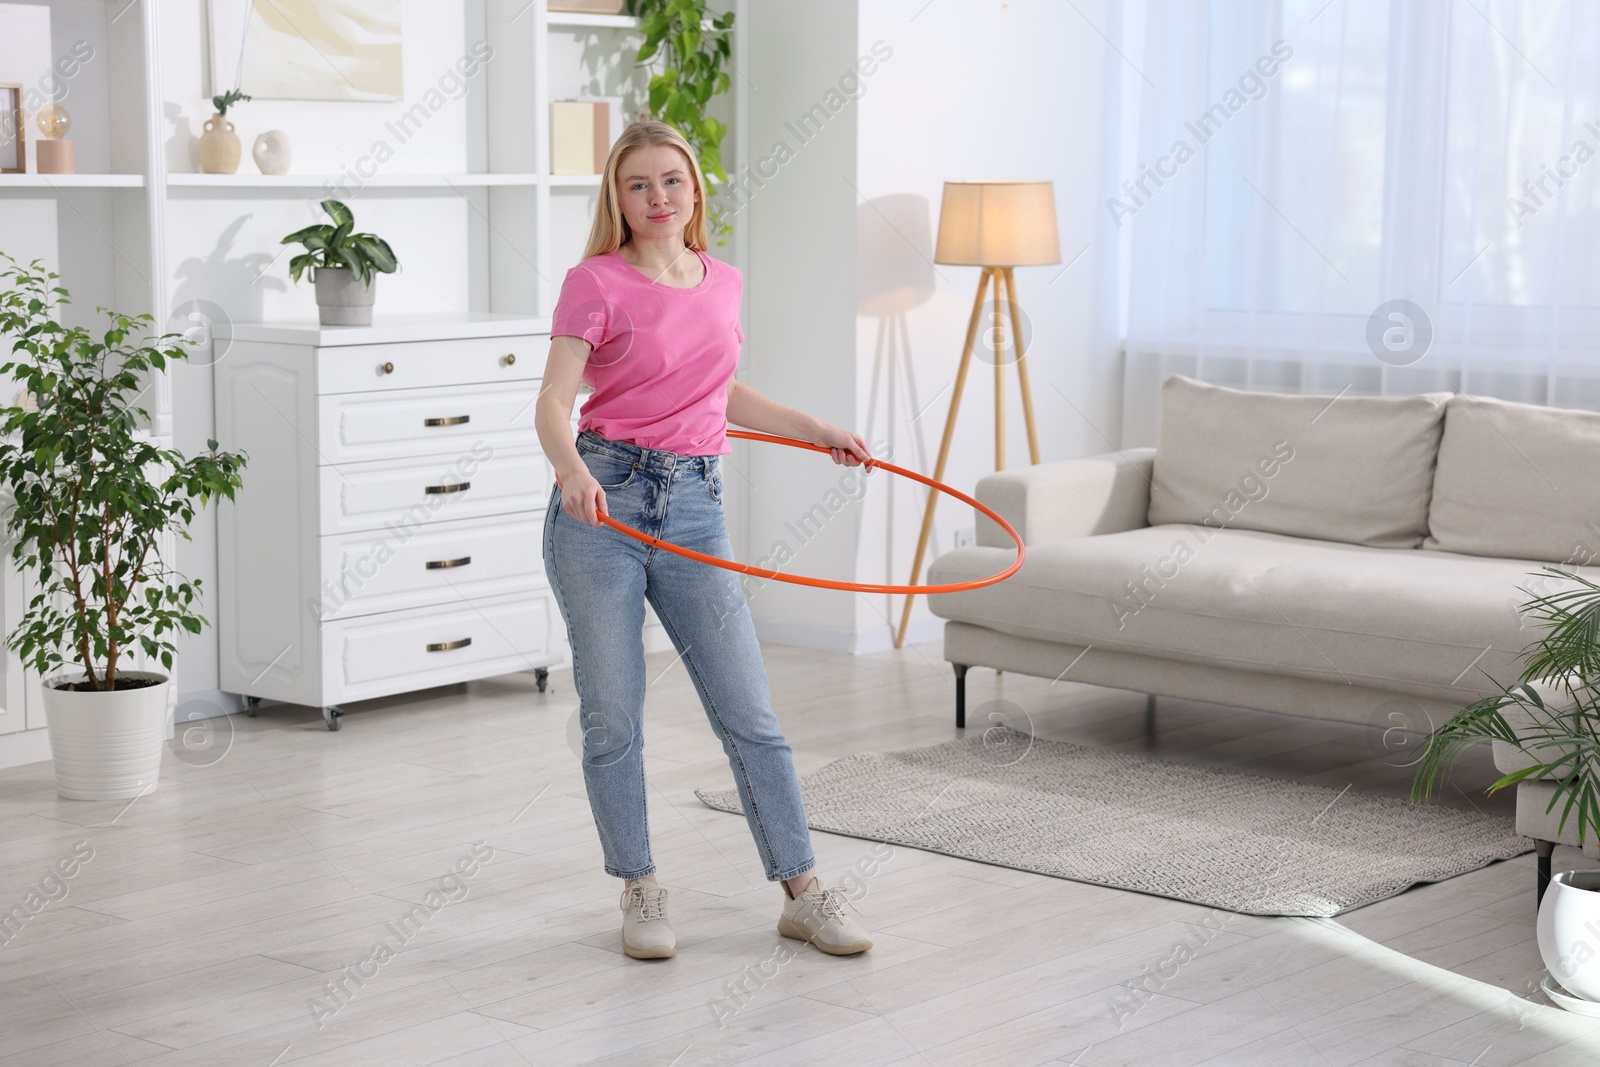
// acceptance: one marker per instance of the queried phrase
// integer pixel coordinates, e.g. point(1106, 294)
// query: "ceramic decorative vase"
point(342, 298)
point(1569, 931)
point(219, 146)
point(106, 745)
point(271, 152)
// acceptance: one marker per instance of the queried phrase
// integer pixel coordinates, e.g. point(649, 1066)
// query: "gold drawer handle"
point(440, 564)
point(458, 487)
point(453, 420)
point(445, 646)
point(388, 368)
point(511, 357)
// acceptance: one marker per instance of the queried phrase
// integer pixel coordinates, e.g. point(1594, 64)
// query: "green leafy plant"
point(1560, 737)
point(91, 498)
point(334, 246)
point(223, 102)
point(691, 52)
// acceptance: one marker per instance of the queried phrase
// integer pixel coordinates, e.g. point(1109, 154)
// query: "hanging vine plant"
point(691, 51)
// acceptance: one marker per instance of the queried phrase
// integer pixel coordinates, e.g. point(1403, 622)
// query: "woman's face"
point(656, 190)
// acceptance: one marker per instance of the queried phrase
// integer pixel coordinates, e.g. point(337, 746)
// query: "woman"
point(652, 323)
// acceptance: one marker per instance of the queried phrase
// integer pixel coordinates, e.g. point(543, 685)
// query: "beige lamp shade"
point(998, 224)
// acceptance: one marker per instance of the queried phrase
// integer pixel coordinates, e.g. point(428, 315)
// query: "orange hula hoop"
point(828, 583)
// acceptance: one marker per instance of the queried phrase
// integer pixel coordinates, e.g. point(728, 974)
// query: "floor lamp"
point(996, 225)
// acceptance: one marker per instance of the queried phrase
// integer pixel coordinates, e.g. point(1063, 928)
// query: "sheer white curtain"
point(1354, 153)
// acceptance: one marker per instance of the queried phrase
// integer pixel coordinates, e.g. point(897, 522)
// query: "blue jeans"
point(601, 580)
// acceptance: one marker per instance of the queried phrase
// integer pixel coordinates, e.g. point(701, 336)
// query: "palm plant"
point(335, 246)
point(1560, 740)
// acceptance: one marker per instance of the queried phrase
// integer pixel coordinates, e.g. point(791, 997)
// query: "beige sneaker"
point(645, 932)
point(817, 916)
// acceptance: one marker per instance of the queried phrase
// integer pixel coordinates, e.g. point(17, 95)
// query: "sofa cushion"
point(1353, 469)
point(1517, 480)
point(1424, 623)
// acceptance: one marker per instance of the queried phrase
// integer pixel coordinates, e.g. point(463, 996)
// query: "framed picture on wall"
point(306, 49)
point(13, 136)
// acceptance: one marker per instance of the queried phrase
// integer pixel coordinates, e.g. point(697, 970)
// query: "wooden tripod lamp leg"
point(1022, 366)
point(997, 336)
point(944, 451)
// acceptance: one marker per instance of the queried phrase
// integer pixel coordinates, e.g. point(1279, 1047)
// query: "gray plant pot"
point(343, 299)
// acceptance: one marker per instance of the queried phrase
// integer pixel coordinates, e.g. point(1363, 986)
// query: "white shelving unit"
point(112, 231)
point(72, 181)
point(522, 205)
point(318, 181)
point(101, 232)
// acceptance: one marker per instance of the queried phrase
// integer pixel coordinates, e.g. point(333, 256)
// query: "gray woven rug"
point(1226, 839)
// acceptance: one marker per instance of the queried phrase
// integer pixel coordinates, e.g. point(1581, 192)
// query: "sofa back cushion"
point(1517, 481)
point(1351, 469)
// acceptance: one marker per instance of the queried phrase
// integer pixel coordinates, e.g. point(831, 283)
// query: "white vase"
point(106, 745)
point(1569, 932)
point(271, 152)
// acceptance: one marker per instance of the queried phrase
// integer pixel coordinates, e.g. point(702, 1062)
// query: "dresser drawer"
point(441, 562)
point(402, 651)
point(424, 422)
point(420, 364)
point(478, 480)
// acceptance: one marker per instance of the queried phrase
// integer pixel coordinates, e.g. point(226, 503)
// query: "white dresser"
point(388, 535)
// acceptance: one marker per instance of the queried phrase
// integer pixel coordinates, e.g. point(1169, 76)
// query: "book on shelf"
point(582, 131)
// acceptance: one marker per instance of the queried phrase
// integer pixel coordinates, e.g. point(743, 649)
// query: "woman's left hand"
point(847, 447)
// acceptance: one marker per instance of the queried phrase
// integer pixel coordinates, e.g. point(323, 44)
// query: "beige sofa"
point(1345, 558)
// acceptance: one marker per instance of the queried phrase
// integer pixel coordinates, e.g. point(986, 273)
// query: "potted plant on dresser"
point(88, 500)
point(345, 266)
point(1551, 722)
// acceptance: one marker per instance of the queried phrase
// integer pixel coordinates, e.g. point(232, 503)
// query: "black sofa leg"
point(1149, 718)
point(1545, 850)
point(961, 695)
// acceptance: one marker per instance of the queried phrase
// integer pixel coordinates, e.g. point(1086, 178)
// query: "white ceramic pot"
point(342, 298)
point(271, 152)
point(1569, 931)
point(106, 745)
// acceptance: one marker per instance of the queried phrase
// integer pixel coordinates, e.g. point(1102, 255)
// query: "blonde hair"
point(610, 230)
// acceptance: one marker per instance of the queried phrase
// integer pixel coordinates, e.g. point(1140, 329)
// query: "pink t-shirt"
point(662, 355)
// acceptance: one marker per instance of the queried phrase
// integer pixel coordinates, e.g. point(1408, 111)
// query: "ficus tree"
point(90, 496)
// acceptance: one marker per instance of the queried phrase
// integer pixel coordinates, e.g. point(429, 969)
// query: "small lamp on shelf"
point(54, 153)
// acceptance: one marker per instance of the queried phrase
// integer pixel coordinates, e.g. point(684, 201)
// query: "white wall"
point(846, 294)
point(801, 286)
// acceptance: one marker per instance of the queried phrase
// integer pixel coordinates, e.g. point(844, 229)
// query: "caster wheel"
point(541, 678)
point(332, 715)
point(250, 706)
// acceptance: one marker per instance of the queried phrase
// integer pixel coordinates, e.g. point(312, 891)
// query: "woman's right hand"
point(582, 497)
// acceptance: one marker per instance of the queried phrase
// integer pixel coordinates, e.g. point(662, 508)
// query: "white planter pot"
point(106, 745)
point(1569, 932)
point(342, 298)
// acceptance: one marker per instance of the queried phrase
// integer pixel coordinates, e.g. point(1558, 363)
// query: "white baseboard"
point(881, 638)
point(655, 635)
point(833, 639)
point(206, 704)
point(23, 747)
point(33, 746)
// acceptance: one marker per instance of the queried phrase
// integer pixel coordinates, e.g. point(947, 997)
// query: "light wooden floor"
point(215, 909)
